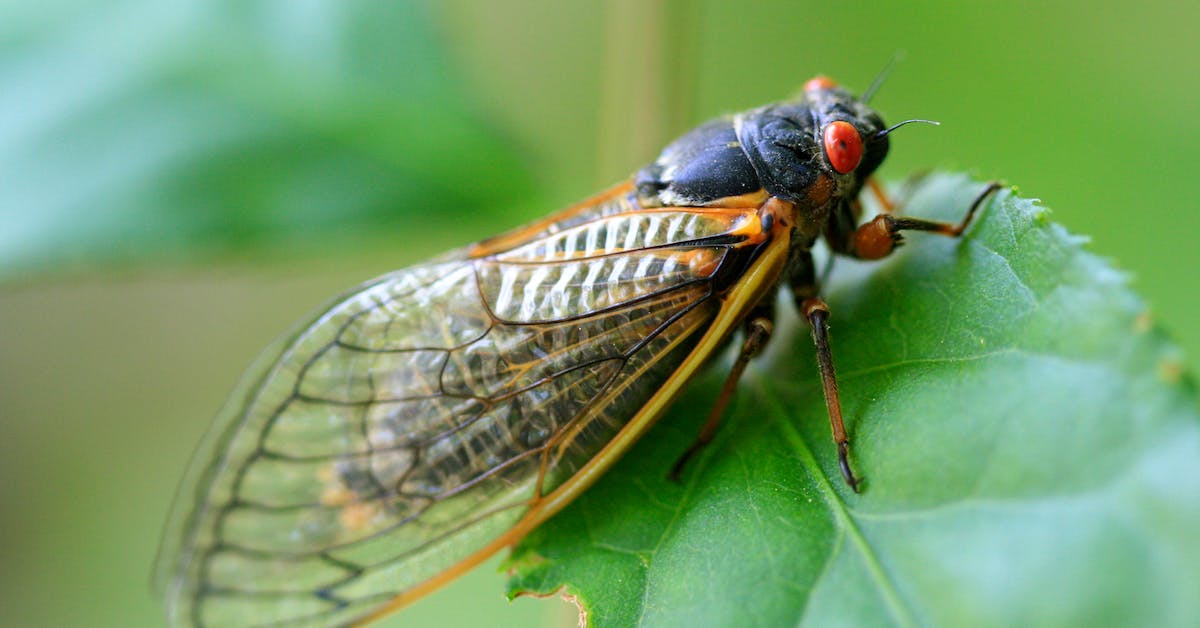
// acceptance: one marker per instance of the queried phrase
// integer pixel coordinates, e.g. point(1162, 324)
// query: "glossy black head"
point(827, 132)
point(784, 149)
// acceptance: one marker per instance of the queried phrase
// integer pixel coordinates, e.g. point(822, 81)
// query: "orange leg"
point(885, 202)
point(881, 236)
point(817, 313)
point(758, 331)
point(873, 240)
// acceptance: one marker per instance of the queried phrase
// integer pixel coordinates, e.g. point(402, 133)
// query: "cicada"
point(436, 414)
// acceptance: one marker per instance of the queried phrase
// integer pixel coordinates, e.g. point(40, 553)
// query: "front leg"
point(879, 237)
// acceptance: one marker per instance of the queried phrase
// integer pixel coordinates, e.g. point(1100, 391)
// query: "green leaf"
point(1029, 444)
point(142, 131)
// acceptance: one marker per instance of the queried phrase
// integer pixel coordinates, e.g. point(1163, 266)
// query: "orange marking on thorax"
point(752, 199)
point(751, 224)
point(820, 191)
point(783, 214)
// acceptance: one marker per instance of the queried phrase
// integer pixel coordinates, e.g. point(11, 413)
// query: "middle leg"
point(804, 291)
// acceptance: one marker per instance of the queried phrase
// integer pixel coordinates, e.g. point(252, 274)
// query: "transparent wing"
point(417, 419)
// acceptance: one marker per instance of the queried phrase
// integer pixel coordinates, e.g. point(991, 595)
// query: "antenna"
point(882, 134)
point(897, 57)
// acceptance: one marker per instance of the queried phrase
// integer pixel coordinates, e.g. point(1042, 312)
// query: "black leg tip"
point(847, 473)
point(676, 473)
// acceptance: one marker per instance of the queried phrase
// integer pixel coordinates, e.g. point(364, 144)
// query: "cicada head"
point(818, 148)
point(812, 151)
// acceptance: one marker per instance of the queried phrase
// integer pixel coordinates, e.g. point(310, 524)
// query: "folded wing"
point(418, 418)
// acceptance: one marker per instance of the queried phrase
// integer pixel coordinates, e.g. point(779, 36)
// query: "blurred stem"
point(646, 87)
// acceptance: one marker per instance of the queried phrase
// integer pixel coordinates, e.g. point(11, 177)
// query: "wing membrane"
point(418, 418)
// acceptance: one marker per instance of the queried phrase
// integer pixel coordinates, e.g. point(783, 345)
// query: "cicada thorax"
point(814, 153)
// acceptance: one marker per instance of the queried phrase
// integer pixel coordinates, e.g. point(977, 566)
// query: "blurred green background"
point(181, 181)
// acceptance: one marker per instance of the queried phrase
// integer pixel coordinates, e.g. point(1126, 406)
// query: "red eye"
point(843, 146)
point(819, 82)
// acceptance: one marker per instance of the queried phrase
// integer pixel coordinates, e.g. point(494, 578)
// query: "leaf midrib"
point(891, 595)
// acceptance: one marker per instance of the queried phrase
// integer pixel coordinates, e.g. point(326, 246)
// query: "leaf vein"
point(842, 516)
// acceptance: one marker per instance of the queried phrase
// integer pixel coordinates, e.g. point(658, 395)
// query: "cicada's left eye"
point(843, 146)
point(818, 83)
